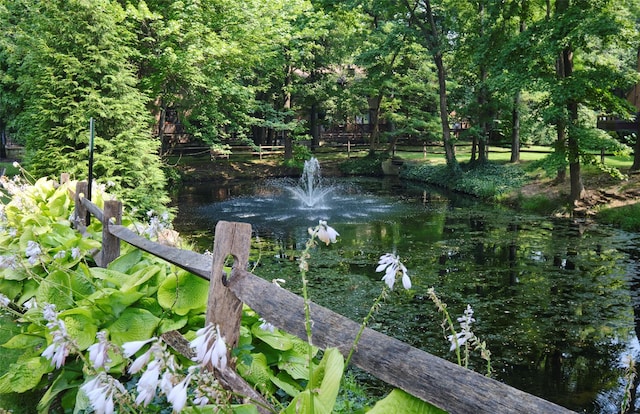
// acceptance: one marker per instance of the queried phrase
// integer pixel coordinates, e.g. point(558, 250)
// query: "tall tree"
point(424, 16)
point(71, 60)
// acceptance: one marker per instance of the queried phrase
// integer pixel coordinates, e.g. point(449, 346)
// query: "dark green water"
point(554, 299)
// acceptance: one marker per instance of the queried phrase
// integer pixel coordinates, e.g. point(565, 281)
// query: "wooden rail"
point(430, 378)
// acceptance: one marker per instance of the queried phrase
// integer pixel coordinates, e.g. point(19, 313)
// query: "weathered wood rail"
point(430, 378)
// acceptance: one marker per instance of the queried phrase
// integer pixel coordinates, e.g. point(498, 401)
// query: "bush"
point(370, 165)
point(489, 181)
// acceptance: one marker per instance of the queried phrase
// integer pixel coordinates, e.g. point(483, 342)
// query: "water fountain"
point(310, 189)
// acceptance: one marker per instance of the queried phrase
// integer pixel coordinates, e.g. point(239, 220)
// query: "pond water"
point(554, 299)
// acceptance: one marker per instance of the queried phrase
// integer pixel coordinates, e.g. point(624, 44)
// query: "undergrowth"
point(487, 181)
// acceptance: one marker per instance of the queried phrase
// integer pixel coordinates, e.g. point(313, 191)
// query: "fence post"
point(64, 178)
point(260, 150)
point(223, 306)
point(424, 151)
point(110, 243)
point(80, 210)
point(349, 148)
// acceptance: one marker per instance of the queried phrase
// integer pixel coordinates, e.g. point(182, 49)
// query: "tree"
point(72, 62)
point(568, 50)
point(422, 14)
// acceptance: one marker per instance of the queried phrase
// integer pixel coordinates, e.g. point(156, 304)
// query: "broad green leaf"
point(143, 275)
point(323, 387)
point(134, 324)
point(81, 326)
point(112, 302)
point(258, 373)
point(114, 278)
point(10, 288)
point(67, 379)
point(125, 262)
point(173, 324)
point(14, 274)
point(287, 384)
point(25, 375)
point(274, 339)
point(407, 403)
point(56, 289)
point(295, 364)
point(23, 341)
point(184, 293)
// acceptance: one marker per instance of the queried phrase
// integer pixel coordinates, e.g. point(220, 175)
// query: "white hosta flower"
point(178, 395)
point(391, 265)
point(98, 352)
point(210, 347)
point(148, 383)
point(8, 262)
point(130, 348)
point(101, 390)
point(58, 350)
point(325, 233)
point(33, 251)
point(4, 301)
point(465, 335)
point(75, 253)
point(60, 255)
point(266, 326)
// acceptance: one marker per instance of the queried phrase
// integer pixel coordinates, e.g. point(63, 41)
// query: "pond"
point(554, 299)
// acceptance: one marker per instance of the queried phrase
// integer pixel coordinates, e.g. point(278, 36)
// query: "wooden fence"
point(430, 378)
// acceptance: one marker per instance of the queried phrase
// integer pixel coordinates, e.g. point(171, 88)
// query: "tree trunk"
point(636, 148)
point(374, 121)
point(577, 187)
point(482, 100)
point(515, 129)
point(288, 140)
point(433, 43)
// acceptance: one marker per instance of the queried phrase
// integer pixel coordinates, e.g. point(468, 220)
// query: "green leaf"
point(125, 262)
point(81, 326)
point(23, 341)
point(133, 325)
point(323, 387)
point(258, 373)
point(184, 293)
point(408, 403)
point(287, 384)
point(25, 375)
point(114, 278)
point(56, 289)
point(274, 339)
point(67, 379)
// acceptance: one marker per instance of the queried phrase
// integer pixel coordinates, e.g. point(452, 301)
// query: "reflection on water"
point(554, 300)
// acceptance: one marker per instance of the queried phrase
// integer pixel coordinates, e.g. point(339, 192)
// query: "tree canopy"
point(517, 71)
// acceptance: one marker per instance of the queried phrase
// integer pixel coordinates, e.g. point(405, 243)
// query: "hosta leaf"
point(134, 324)
point(125, 262)
point(22, 341)
point(142, 276)
point(80, 326)
point(183, 293)
point(258, 373)
point(409, 403)
point(324, 387)
point(24, 376)
point(113, 278)
point(173, 324)
point(56, 289)
point(113, 302)
point(287, 384)
point(274, 339)
point(10, 288)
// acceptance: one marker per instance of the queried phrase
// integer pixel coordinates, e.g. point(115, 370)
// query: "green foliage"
point(75, 64)
point(625, 217)
point(409, 404)
point(370, 165)
point(301, 153)
point(486, 181)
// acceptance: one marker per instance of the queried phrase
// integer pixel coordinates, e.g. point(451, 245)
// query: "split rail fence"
point(430, 378)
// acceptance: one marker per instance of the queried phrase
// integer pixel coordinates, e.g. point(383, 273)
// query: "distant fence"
point(430, 378)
